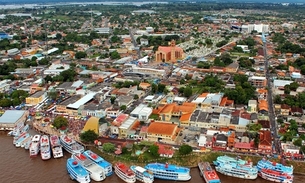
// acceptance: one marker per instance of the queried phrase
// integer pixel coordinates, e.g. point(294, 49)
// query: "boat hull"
point(264, 176)
point(228, 173)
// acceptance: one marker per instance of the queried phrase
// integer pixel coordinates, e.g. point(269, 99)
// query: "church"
point(170, 53)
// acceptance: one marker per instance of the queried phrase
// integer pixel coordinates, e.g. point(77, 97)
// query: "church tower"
point(173, 51)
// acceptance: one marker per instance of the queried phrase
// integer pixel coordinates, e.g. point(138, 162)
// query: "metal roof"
point(82, 101)
point(11, 116)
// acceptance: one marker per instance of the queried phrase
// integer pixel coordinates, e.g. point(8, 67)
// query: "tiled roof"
point(265, 137)
point(263, 105)
point(185, 117)
point(161, 128)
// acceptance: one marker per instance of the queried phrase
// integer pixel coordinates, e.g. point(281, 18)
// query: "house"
point(290, 149)
point(174, 110)
point(142, 112)
point(36, 98)
point(262, 106)
point(265, 142)
point(258, 81)
point(220, 142)
point(165, 150)
point(125, 129)
point(244, 146)
point(296, 111)
point(265, 124)
point(252, 106)
point(143, 42)
point(232, 68)
point(162, 131)
point(285, 109)
point(202, 141)
point(125, 100)
point(153, 98)
point(144, 86)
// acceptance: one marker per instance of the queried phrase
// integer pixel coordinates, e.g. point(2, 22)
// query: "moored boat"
point(22, 138)
point(275, 176)
point(142, 174)
point(70, 145)
point(100, 161)
point(34, 147)
point(77, 171)
point(264, 163)
point(96, 172)
point(45, 149)
point(169, 172)
point(235, 167)
point(208, 174)
point(56, 146)
point(18, 130)
point(124, 172)
point(26, 141)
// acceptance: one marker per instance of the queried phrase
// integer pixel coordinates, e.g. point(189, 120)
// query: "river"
point(16, 166)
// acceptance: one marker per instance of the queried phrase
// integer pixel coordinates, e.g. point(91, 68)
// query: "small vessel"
point(16, 138)
point(124, 172)
point(235, 167)
point(26, 141)
point(264, 163)
point(27, 144)
point(18, 130)
point(275, 176)
point(77, 171)
point(21, 138)
point(169, 172)
point(45, 149)
point(208, 174)
point(96, 172)
point(100, 161)
point(34, 147)
point(70, 145)
point(56, 146)
point(142, 174)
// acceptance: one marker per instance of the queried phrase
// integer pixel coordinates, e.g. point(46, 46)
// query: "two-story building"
point(162, 131)
point(265, 142)
point(142, 112)
point(36, 98)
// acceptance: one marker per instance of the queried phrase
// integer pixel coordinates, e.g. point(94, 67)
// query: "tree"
point(136, 97)
point(60, 122)
point(123, 107)
point(108, 147)
point(80, 54)
point(115, 55)
point(88, 136)
point(112, 100)
point(298, 142)
point(187, 92)
point(153, 150)
point(185, 149)
point(254, 127)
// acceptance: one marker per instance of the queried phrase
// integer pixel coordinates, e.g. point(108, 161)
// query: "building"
point(258, 81)
point(13, 118)
point(170, 53)
point(92, 124)
point(142, 112)
point(265, 142)
point(252, 106)
point(260, 28)
point(162, 131)
point(126, 127)
point(36, 98)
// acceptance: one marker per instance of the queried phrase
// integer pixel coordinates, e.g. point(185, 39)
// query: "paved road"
point(134, 42)
point(273, 123)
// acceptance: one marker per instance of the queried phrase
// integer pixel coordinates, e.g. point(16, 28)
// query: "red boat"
point(209, 174)
point(124, 172)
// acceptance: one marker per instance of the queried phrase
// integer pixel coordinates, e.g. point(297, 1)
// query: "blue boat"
point(266, 164)
point(21, 138)
point(100, 161)
point(77, 171)
point(169, 172)
point(142, 174)
point(235, 167)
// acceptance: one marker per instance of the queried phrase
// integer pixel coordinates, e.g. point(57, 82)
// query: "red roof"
point(243, 145)
point(125, 169)
point(164, 149)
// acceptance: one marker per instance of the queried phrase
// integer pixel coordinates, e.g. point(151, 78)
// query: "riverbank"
point(192, 160)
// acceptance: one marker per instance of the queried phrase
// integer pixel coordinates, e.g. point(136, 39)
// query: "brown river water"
point(17, 167)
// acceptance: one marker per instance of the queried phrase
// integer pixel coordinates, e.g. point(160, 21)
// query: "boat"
point(96, 172)
point(124, 172)
point(26, 141)
point(169, 172)
point(275, 176)
point(142, 174)
point(208, 174)
point(45, 148)
point(16, 138)
point(264, 163)
point(18, 130)
point(77, 171)
point(56, 146)
point(100, 161)
point(22, 137)
point(235, 167)
point(27, 144)
point(70, 145)
point(34, 147)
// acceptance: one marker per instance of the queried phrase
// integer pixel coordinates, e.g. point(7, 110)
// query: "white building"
point(255, 27)
point(142, 112)
point(202, 141)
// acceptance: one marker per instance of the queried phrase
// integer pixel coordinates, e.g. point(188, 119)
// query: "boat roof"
point(36, 137)
point(77, 168)
point(140, 169)
point(170, 167)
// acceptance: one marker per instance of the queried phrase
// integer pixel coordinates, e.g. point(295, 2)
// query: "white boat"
point(100, 161)
point(77, 171)
point(142, 174)
point(18, 130)
point(96, 172)
point(27, 144)
point(21, 139)
point(45, 148)
point(71, 145)
point(124, 172)
point(56, 146)
point(26, 141)
point(16, 138)
point(34, 147)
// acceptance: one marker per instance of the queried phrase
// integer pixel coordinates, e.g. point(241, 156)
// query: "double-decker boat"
point(70, 145)
point(56, 147)
point(77, 171)
point(45, 149)
point(96, 172)
point(21, 138)
point(142, 174)
point(275, 172)
point(208, 174)
point(34, 147)
point(235, 167)
point(169, 172)
point(124, 172)
point(100, 161)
